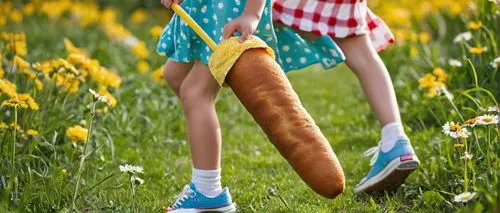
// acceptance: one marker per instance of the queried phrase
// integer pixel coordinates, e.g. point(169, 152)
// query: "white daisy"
point(464, 197)
point(455, 130)
point(487, 119)
point(465, 36)
point(131, 169)
point(466, 156)
point(495, 63)
point(454, 63)
point(137, 180)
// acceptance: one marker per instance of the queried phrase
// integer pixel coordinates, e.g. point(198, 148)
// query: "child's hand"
point(246, 25)
point(168, 3)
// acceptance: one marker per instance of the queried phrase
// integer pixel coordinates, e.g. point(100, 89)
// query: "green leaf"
point(432, 198)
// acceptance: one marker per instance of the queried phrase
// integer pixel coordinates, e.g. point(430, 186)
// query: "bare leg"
point(175, 73)
point(364, 61)
point(198, 92)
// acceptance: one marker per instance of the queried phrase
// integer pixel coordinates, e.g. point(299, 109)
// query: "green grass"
point(147, 128)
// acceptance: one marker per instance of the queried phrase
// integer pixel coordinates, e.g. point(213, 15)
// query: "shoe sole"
point(225, 209)
point(391, 177)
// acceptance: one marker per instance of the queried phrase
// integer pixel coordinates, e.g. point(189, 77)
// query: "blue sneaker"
point(190, 200)
point(390, 168)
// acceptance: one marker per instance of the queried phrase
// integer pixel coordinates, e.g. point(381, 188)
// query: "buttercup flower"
point(464, 197)
point(455, 130)
point(462, 37)
point(487, 119)
point(77, 134)
point(455, 63)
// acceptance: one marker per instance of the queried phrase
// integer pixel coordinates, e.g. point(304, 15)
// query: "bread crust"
point(262, 87)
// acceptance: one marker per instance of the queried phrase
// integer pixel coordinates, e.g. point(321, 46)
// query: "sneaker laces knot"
point(372, 152)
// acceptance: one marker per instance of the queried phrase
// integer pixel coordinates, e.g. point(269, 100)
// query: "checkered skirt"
point(335, 18)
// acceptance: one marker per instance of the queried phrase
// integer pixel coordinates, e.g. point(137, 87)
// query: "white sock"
point(391, 133)
point(207, 181)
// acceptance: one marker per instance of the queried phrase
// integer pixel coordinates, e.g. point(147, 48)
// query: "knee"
point(195, 95)
point(173, 80)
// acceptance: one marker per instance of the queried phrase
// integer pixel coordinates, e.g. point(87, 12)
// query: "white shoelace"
point(186, 193)
point(373, 151)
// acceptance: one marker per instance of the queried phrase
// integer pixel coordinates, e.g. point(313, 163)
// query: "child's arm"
point(247, 23)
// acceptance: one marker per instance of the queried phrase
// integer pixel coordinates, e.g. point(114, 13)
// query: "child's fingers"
point(166, 3)
point(244, 36)
point(178, 1)
point(229, 29)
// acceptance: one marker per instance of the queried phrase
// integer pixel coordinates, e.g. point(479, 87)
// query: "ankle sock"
point(207, 181)
point(391, 133)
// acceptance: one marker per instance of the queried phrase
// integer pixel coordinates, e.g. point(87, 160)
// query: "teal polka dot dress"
point(181, 44)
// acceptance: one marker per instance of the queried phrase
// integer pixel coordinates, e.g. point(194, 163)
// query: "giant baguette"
point(261, 86)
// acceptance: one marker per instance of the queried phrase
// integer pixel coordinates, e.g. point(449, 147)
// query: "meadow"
point(63, 148)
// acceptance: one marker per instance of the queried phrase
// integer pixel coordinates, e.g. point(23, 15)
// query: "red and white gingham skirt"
point(335, 18)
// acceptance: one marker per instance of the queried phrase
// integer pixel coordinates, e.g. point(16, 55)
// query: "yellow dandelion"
point(28, 100)
point(474, 25)
point(70, 47)
point(424, 38)
point(38, 85)
point(427, 80)
point(158, 75)
point(3, 125)
point(15, 103)
point(413, 52)
point(156, 31)
point(477, 50)
point(28, 9)
point(139, 16)
point(440, 73)
point(64, 171)
point(16, 16)
point(21, 63)
point(1, 69)
point(3, 20)
point(32, 132)
point(13, 125)
point(143, 66)
point(77, 133)
point(7, 87)
point(140, 50)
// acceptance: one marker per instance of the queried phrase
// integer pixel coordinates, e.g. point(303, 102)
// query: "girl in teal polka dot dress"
point(188, 75)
